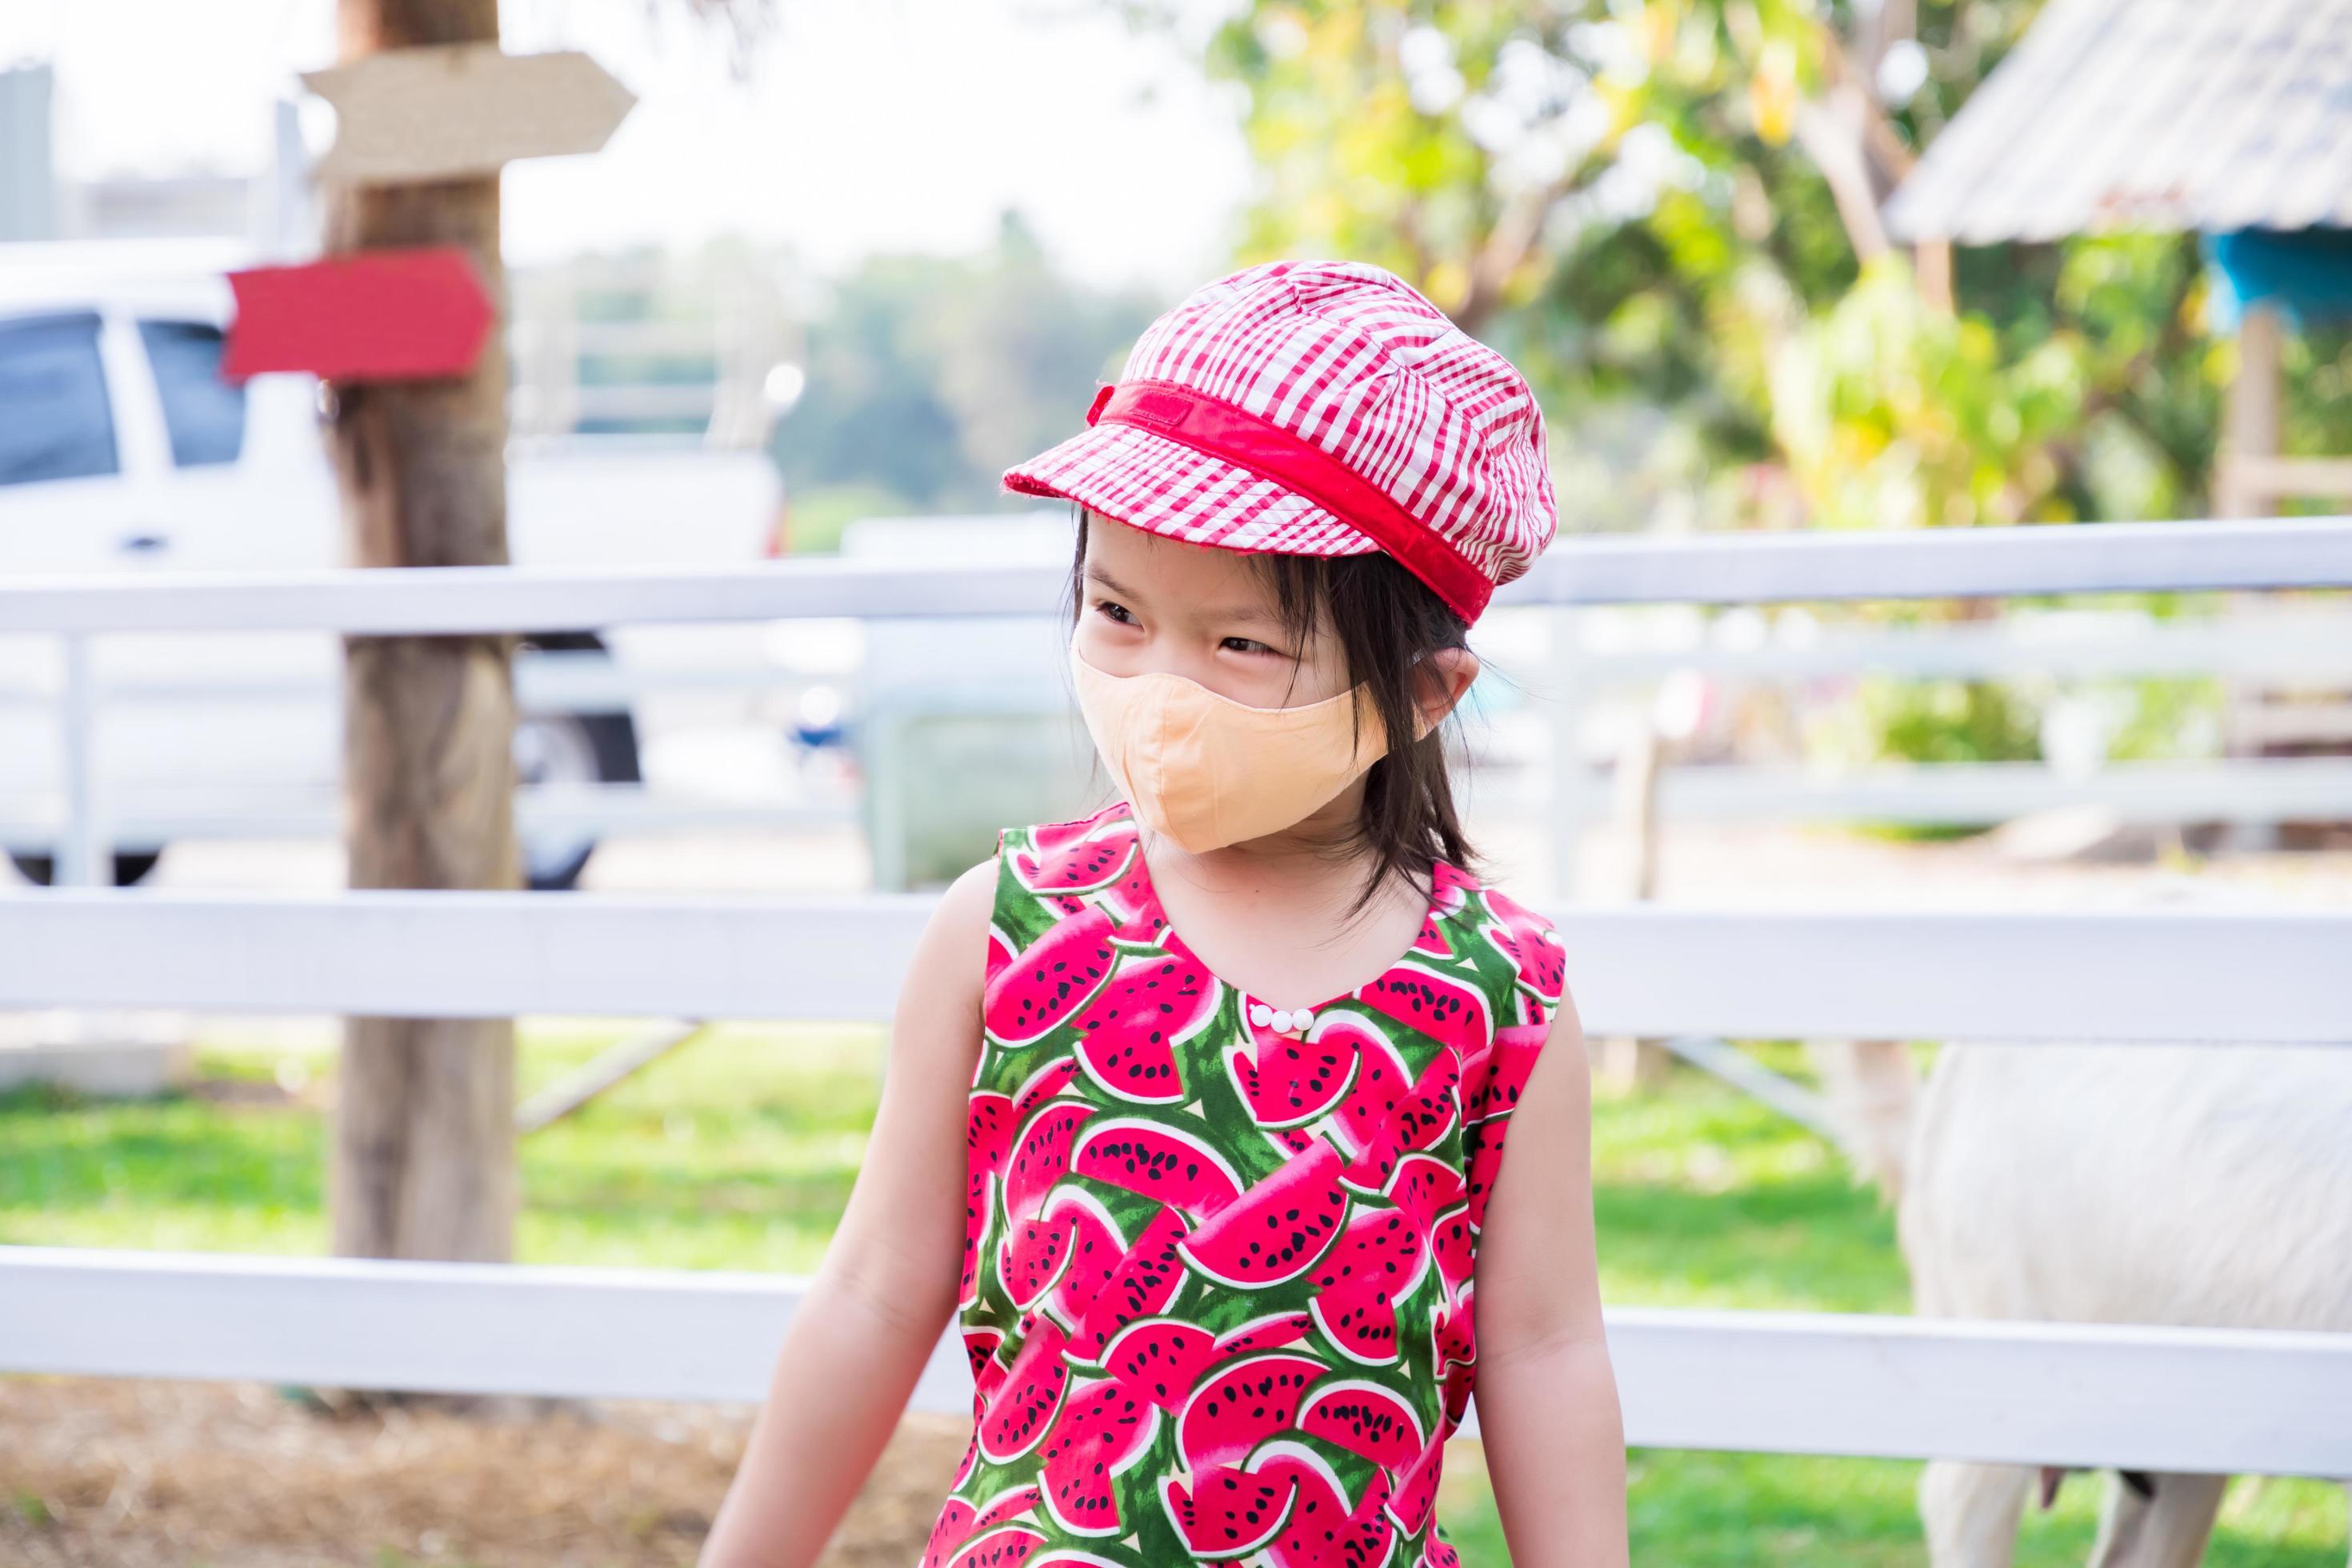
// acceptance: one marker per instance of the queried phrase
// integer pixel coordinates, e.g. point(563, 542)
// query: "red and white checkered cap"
point(1319, 408)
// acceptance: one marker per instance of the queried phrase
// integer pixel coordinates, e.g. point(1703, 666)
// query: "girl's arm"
point(1546, 1399)
point(888, 1286)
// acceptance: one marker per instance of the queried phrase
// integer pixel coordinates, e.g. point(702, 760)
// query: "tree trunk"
point(424, 1160)
point(1626, 1062)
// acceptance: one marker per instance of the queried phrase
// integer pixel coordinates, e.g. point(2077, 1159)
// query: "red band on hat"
point(1221, 429)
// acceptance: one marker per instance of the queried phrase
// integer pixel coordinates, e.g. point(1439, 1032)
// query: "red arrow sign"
point(373, 315)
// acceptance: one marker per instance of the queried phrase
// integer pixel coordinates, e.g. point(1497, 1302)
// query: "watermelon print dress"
point(1217, 1283)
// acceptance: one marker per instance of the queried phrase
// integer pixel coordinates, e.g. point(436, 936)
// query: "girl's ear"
point(1444, 680)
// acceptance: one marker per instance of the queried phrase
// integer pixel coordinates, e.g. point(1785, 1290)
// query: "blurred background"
point(843, 263)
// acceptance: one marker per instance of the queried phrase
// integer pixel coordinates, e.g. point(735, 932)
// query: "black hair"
point(1387, 622)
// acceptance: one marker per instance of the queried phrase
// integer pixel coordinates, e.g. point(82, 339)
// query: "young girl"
point(1196, 1107)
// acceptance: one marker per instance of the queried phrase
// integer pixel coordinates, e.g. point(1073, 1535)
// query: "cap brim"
point(1161, 485)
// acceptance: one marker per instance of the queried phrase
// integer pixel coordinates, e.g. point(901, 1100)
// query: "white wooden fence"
point(1752, 568)
point(1590, 572)
point(2279, 977)
point(2137, 1396)
point(2285, 649)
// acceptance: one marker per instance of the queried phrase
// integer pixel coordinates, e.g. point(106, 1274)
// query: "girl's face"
point(1152, 606)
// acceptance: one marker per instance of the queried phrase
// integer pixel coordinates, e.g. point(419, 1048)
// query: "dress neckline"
point(1447, 883)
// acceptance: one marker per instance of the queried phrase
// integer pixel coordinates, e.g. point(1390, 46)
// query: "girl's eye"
point(1115, 611)
point(1245, 645)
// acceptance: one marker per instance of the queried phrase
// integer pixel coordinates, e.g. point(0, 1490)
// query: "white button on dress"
point(1282, 1021)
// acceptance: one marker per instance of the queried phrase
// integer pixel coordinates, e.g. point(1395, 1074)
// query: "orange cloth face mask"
point(1207, 771)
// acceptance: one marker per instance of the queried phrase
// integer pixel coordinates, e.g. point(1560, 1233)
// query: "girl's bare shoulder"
point(960, 921)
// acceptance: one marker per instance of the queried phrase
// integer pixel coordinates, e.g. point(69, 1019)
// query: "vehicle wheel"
point(132, 867)
point(569, 748)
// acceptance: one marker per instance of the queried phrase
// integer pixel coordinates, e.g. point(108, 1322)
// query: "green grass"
point(738, 1150)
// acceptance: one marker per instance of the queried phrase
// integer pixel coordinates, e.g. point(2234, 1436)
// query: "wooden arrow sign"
point(371, 315)
point(446, 110)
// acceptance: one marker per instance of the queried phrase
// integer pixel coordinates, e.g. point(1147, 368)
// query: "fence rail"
point(153, 816)
point(1713, 569)
point(2287, 789)
point(2145, 976)
point(1763, 1381)
point(2276, 789)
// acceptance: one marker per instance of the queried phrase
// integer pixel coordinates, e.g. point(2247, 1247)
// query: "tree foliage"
point(1634, 199)
point(928, 375)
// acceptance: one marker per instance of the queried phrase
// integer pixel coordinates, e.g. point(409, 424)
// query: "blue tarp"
point(2306, 273)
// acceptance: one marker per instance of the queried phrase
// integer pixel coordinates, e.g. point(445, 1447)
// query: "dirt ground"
point(110, 1473)
point(99, 1473)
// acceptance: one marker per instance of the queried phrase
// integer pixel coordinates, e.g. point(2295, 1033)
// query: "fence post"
point(1625, 1062)
point(1571, 809)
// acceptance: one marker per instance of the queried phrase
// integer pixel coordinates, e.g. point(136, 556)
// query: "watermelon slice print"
point(1239, 1405)
point(1442, 1006)
point(1025, 1407)
point(1288, 1082)
point(1063, 1256)
point(1416, 1489)
point(1172, 1165)
point(1049, 981)
point(1451, 888)
point(1009, 1547)
point(1497, 1076)
point(1383, 1117)
point(1227, 1512)
point(1454, 1333)
point(952, 1529)
point(959, 1521)
point(1325, 1526)
point(1144, 1283)
point(1364, 1417)
point(1040, 1156)
point(1129, 1033)
point(1527, 940)
point(1264, 1333)
point(980, 1348)
point(1076, 857)
point(1278, 1228)
point(1102, 1431)
point(988, 1139)
point(1192, 1246)
point(1047, 1081)
point(1378, 1262)
point(1159, 1359)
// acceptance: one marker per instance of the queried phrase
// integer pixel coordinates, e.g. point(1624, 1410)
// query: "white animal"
point(2170, 1185)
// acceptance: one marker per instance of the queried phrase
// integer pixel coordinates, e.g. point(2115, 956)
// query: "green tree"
point(928, 375)
point(1672, 206)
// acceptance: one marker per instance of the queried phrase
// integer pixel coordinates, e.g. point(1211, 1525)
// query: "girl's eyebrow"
point(1223, 615)
point(1108, 582)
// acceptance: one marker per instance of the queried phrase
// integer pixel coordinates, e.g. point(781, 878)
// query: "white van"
point(123, 450)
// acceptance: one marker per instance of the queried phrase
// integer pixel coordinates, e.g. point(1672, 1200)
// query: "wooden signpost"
point(436, 113)
point(400, 315)
point(406, 116)
point(375, 315)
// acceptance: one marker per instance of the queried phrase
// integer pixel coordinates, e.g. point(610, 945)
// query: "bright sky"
point(866, 125)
